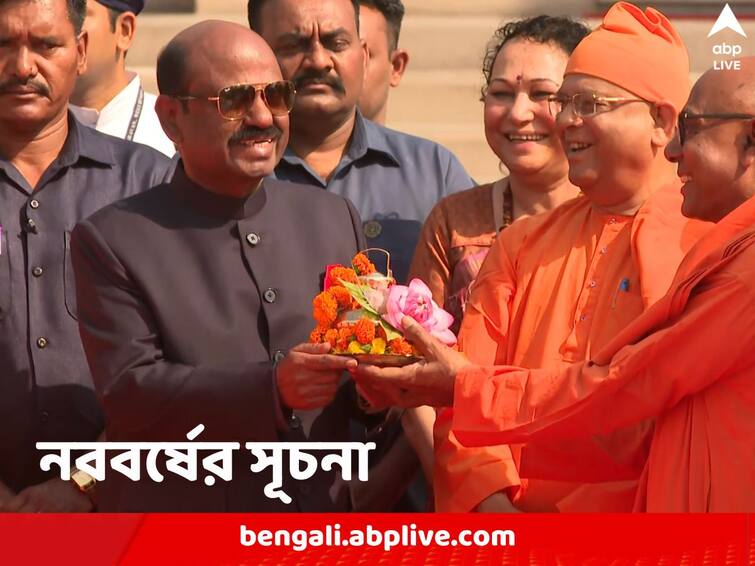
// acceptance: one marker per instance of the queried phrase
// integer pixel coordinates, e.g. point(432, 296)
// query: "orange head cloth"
point(638, 51)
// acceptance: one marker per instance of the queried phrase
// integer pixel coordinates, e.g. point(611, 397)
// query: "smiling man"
point(688, 362)
point(196, 296)
point(557, 287)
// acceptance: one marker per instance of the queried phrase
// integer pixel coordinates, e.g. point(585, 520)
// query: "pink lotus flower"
point(416, 301)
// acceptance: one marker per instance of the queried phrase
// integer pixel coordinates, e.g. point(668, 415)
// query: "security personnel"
point(53, 173)
point(107, 96)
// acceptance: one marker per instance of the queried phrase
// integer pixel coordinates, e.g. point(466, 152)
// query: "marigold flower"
point(325, 309)
point(331, 335)
point(345, 336)
point(380, 332)
point(362, 265)
point(364, 330)
point(340, 273)
point(317, 336)
point(342, 297)
point(401, 347)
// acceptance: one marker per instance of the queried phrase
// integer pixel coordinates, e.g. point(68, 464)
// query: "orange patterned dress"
point(456, 238)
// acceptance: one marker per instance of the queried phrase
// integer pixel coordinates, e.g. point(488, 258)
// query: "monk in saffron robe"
point(688, 363)
point(557, 287)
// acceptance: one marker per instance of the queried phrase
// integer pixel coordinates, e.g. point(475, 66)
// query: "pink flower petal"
point(446, 336)
point(419, 287)
point(442, 319)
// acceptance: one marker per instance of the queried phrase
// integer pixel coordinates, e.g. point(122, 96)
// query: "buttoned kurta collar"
point(214, 204)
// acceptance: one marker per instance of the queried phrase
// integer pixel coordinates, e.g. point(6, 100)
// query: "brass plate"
point(383, 360)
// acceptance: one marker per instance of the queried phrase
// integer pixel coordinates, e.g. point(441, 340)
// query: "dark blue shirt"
point(45, 385)
point(392, 178)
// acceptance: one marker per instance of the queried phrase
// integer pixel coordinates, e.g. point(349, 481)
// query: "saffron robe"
point(689, 363)
point(555, 289)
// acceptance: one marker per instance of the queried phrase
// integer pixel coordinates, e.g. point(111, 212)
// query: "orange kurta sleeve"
point(464, 477)
point(689, 352)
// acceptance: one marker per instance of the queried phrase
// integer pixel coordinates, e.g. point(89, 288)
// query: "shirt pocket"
point(69, 280)
point(5, 274)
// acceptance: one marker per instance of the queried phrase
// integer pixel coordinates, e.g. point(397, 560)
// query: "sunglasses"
point(236, 101)
point(585, 105)
point(686, 115)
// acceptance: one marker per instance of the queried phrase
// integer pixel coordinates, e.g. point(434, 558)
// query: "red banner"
point(384, 539)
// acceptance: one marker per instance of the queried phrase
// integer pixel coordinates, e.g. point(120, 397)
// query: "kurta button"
point(44, 417)
point(37, 272)
point(31, 225)
point(593, 284)
point(34, 203)
point(42, 342)
point(583, 317)
point(270, 296)
point(253, 238)
point(372, 229)
point(278, 356)
point(294, 422)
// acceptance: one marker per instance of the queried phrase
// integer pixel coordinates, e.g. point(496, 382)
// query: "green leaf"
point(390, 332)
point(358, 295)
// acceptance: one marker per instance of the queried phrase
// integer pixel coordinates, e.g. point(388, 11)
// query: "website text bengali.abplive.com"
point(408, 535)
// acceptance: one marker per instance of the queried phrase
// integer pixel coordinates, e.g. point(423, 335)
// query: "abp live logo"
point(727, 20)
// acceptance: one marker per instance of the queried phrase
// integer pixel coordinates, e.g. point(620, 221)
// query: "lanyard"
point(135, 115)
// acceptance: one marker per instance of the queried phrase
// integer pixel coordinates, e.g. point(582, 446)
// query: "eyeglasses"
point(236, 101)
point(686, 115)
point(585, 105)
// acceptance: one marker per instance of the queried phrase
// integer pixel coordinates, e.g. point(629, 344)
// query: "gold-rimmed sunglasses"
point(236, 101)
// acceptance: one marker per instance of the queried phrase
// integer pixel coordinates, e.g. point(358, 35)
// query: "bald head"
point(726, 90)
point(197, 49)
point(715, 148)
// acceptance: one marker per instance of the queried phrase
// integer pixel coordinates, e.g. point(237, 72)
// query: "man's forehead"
point(38, 17)
point(302, 17)
point(212, 69)
point(574, 83)
point(723, 91)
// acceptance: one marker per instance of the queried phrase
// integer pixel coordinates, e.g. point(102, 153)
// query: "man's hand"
point(6, 494)
point(430, 382)
point(52, 496)
point(497, 503)
point(308, 376)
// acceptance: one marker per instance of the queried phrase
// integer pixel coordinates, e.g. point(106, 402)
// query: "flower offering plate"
point(383, 360)
point(360, 312)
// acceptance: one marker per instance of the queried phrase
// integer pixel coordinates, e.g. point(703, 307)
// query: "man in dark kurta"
point(194, 295)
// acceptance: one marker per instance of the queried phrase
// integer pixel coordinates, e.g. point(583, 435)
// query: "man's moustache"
point(312, 79)
point(273, 133)
point(13, 84)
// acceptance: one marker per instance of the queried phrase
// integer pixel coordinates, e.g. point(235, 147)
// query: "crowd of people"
point(159, 254)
